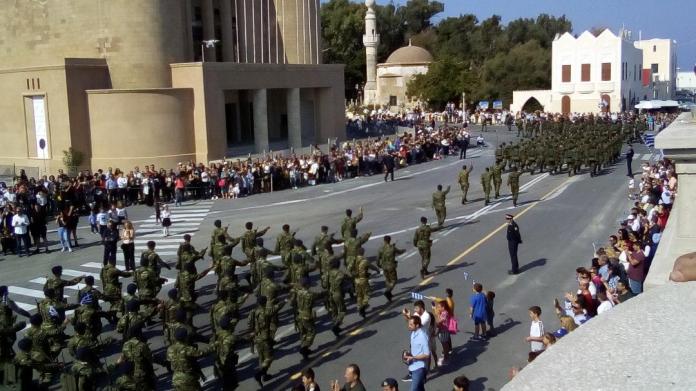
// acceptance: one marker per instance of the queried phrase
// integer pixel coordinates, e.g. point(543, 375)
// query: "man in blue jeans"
point(419, 355)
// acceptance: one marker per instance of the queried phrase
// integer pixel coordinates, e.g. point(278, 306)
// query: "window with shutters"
point(565, 73)
point(606, 71)
point(585, 72)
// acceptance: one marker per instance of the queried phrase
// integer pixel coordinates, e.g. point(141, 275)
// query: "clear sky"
point(674, 19)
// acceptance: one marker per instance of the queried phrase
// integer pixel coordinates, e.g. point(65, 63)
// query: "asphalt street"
point(559, 218)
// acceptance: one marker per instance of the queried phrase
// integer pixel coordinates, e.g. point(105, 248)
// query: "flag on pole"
point(417, 296)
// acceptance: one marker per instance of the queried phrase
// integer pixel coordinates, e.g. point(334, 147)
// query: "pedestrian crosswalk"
point(186, 219)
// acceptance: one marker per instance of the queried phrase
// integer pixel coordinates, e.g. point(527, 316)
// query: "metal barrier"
point(9, 172)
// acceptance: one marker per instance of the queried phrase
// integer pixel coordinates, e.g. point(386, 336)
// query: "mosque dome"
point(410, 55)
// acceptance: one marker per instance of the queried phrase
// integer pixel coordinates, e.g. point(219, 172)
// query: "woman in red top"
point(179, 185)
point(443, 333)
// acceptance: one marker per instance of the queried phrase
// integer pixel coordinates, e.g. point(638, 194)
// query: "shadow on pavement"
point(531, 265)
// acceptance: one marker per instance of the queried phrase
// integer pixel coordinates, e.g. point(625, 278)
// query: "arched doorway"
point(565, 105)
point(606, 104)
point(532, 105)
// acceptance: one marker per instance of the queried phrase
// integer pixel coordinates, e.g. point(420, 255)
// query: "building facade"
point(394, 74)
point(124, 82)
point(607, 72)
point(660, 64)
point(686, 81)
point(595, 73)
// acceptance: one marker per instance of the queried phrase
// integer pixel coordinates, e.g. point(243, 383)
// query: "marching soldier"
point(306, 318)
point(260, 325)
point(214, 237)
point(350, 223)
point(496, 176)
point(337, 279)
point(386, 260)
point(421, 239)
point(226, 359)
point(58, 284)
point(486, 184)
point(464, 181)
point(439, 204)
point(184, 361)
point(351, 244)
point(249, 239)
point(322, 239)
point(362, 281)
point(109, 276)
point(284, 244)
point(514, 183)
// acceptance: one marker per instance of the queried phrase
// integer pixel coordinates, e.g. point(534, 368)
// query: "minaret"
point(371, 40)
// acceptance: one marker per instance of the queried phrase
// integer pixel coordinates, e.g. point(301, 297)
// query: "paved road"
point(559, 218)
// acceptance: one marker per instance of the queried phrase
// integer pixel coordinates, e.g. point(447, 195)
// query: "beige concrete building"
point(394, 74)
point(124, 81)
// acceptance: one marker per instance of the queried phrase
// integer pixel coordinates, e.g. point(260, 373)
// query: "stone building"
point(394, 74)
point(161, 81)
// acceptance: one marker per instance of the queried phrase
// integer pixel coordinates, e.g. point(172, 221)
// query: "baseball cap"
point(389, 382)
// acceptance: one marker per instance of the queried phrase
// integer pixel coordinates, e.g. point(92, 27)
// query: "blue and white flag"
point(649, 140)
point(417, 296)
point(466, 276)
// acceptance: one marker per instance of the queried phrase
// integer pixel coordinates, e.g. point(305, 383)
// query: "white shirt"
point(604, 306)
point(425, 320)
point(536, 329)
point(20, 224)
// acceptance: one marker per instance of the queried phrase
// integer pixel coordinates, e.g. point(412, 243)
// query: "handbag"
point(453, 325)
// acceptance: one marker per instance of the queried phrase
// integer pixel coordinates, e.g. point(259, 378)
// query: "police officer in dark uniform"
point(514, 239)
point(389, 163)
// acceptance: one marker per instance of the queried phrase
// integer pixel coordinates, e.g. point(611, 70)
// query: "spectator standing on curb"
point(20, 224)
point(428, 323)
point(63, 233)
point(536, 330)
point(418, 355)
point(166, 220)
point(352, 380)
point(128, 245)
point(110, 241)
point(478, 312)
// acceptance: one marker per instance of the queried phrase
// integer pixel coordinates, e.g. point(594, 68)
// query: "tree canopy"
point(486, 59)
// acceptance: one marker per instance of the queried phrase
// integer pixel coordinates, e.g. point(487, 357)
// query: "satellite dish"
point(42, 143)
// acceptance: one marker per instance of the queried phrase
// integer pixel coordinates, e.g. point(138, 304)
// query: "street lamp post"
point(207, 44)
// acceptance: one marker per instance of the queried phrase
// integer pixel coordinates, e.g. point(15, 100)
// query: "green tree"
point(343, 25)
point(72, 159)
point(526, 66)
point(444, 82)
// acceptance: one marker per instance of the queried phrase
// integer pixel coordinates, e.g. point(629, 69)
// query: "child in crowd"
point(490, 298)
point(477, 311)
point(536, 330)
point(93, 226)
point(102, 220)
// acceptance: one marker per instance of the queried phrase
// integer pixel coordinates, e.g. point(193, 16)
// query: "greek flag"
point(417, 296)
point(466, 276)
point(649, 140)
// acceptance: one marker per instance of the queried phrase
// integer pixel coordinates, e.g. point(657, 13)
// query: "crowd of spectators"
point(617, 270)
point(65, 198)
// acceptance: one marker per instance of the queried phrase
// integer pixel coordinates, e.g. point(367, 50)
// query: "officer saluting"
point(514, 239)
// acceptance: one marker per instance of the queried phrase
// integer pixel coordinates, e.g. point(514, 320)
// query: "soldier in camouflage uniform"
point(155, 263)
point(184, 361)
point(8, 331)
point(321, 241)
point(421, 240)
point(248, 247)
point(362, 282)
point(386, 260)
point(284, 244)
point(351, 244)
point(497, 178)
point(514, 183)
point(350, 223)
point(28, 360)
point(463, 180)
point(486, 179)
point(224, 341)
point(337, 279)
point(439, 204)
point(58, 284)
point(306, 317)
point(260, 326)
point(109, 276)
